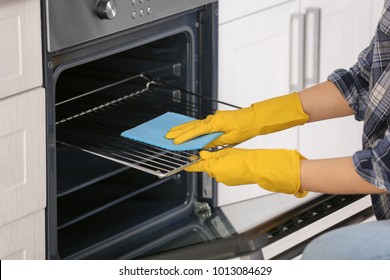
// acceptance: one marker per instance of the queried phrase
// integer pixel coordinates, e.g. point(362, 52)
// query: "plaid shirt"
point(366, 87)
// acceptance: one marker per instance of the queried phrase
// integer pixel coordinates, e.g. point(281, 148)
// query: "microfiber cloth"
point(153, 133)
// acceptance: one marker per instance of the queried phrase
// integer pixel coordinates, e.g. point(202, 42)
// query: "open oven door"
point(242, 230)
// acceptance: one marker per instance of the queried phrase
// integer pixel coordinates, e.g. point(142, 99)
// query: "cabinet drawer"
point(20, 46)
point(24, 238)
point(22, 155)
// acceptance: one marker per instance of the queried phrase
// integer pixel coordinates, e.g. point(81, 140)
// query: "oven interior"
point(110, 202)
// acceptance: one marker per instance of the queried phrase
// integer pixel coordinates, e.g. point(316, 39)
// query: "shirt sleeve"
point(373, 164)
point(354, 83)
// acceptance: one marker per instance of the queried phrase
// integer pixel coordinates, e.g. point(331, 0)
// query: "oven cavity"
point(111, 190)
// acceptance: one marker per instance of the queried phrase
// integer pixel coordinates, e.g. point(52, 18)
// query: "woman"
point(363, 91)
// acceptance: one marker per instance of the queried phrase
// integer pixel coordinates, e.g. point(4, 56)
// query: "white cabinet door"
point(235, 9)
point(346, 28)
point(254, 64)
point(20, 45)
point(24, 239)
point(22, 155)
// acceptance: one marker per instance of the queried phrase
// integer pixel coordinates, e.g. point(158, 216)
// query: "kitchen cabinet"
point(274, 47)
point(231, 10)
point(22, 155)
point(20, 46)
point(24, 238)
point(22, 132)
point(345, 29)
point(254, 64)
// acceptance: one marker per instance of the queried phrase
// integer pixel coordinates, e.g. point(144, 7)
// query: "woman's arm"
point(334, 176)
point(338, 175)
point(324, 101)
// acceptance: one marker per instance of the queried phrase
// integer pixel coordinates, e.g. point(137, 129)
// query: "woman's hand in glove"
point(274, 170)
point(240, 125)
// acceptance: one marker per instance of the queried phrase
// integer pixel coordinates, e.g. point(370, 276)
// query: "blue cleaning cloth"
point(153, 133)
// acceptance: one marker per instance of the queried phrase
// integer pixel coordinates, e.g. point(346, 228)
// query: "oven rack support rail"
point(96, 130)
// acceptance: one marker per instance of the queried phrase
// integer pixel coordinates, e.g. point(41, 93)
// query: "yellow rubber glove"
point(240, 125)
point(274, 170)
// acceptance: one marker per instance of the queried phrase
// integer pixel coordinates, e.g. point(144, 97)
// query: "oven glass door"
point(270, 227)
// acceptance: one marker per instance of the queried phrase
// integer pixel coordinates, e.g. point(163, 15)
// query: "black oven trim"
point(73, 62)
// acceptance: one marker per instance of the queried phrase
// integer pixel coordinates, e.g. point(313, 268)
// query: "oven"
point(110, 66)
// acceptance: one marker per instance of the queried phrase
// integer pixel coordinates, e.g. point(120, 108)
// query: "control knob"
point(106, 9)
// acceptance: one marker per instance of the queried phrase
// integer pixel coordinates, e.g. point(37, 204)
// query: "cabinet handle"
point(312, 46)
point(297, 50)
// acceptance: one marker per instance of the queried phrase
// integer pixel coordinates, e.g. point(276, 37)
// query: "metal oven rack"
point(97, 129)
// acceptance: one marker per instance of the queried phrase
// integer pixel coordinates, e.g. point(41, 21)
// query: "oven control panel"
point(72, 22)
point(141, 10)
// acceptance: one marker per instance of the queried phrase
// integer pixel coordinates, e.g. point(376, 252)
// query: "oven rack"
point(97, 130)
